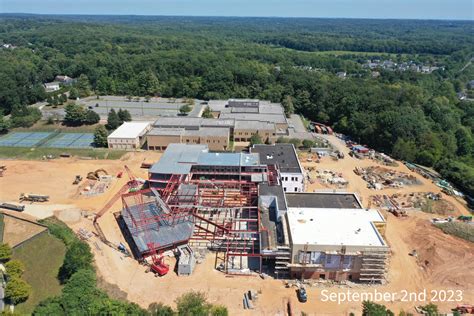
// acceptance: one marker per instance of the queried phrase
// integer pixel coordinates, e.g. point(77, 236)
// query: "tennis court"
point(23, 139)
point(48, 139)
point(71, 140)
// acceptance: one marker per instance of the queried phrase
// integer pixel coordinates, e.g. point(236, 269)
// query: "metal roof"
point(130, 130)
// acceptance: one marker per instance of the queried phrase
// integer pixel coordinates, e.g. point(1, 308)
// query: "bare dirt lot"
point(19, 228)
point(443, 263)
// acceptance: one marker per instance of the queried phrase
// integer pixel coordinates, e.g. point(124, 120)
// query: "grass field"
point(39, 153)
point(42, 257)
point(42, 126)
point(458, 229)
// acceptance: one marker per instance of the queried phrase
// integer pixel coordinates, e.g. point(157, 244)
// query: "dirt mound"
point(447, 260)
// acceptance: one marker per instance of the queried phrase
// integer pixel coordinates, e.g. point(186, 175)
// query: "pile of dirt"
point(447, 260)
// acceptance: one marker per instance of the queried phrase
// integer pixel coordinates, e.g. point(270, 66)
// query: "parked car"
point(302, 296)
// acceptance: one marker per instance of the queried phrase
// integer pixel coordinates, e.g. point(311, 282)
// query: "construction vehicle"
point(465, 218)
point(95, 175)
point(130, 185)
point(2, 170)
point(158, 265)
point(77, 179)
point(33, 197)
point(301, 293)
point(12, 207)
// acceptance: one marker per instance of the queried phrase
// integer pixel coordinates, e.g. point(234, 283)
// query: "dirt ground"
point(18, 230)
point(443, 263)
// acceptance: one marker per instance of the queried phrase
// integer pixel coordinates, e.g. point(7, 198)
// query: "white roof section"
point(335, 227)
point(130, 130)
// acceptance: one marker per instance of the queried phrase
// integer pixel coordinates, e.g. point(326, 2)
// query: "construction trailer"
point(186, 260)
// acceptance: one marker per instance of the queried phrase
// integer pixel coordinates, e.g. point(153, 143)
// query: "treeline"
point(412, 116)
point(81, 296)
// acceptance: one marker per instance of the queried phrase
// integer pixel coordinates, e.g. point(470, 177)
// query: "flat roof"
point(254, 125)
point(265, 117)
point(283, 155)
point(334, 227)
point(195, 122)
point(165, 131)
point(323, 200)
point(208, 131)
point(228, 159)
point(264, 189)
point(129, 130)
point(179, 159)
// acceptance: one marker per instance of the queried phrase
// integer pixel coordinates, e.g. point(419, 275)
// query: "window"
point(284, 189)
point(328, 259)
point(296, 189)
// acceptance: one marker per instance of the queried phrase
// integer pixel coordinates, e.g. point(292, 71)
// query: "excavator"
point(132, 184)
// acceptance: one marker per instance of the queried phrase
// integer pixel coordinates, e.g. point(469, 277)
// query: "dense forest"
point(412, 116)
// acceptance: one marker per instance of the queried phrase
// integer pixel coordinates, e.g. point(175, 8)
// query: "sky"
point(405, 9)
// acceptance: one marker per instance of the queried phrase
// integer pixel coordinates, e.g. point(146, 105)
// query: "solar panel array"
point(18, 139)
point(40, 139)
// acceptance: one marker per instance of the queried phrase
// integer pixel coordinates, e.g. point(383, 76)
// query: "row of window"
point(121, 141)
point(292, 178)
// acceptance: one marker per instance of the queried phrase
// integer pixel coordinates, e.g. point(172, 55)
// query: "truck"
point(12, 207)
point(33, 197)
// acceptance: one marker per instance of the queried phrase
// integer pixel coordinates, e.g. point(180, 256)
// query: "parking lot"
point(139, 108)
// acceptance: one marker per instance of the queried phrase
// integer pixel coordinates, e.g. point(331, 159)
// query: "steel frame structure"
point(224, 213)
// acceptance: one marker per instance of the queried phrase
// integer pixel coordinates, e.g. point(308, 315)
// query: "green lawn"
point(43, 126)
point(38, 153)
point(42, 257)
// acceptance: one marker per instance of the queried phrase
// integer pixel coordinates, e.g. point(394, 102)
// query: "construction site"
point(222, 224)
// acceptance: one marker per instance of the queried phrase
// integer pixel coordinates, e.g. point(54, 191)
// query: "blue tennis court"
point(48, 139)
point(20, 139)
point(71, 140)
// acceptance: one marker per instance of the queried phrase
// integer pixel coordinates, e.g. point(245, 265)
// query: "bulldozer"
point(95, 175)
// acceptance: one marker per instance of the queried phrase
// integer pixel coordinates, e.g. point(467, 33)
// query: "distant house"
point(375, 74)
point(64, 80)
point(461, 96)
point(341, 74)
point(51, 86)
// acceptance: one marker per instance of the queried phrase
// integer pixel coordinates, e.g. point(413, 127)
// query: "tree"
point(159, 309)
point(464, 142)
point(63, 98)
point(255, 139)
point(185, 109)
point(147, 98)
point(430, 309)
point(207, 113)
point(113, 120)
point(78, 256)
point(15, 268)
point(83, 86)
point(5, 252)
point(373, 309)
point(124, 116)
point(129, 98)
point(288, 106)
point(91, 117)
point(4, 124)
point(75, 115)
point(308, 143)
point(100, 136)
point(17, 290)
point(193, 303)
point(73, 94)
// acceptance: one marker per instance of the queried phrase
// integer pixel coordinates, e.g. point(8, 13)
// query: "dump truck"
point(33, 197)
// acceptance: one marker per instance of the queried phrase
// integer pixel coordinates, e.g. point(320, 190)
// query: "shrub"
point(17, 290)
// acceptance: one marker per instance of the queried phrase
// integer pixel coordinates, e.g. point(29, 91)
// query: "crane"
point(132, 184)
